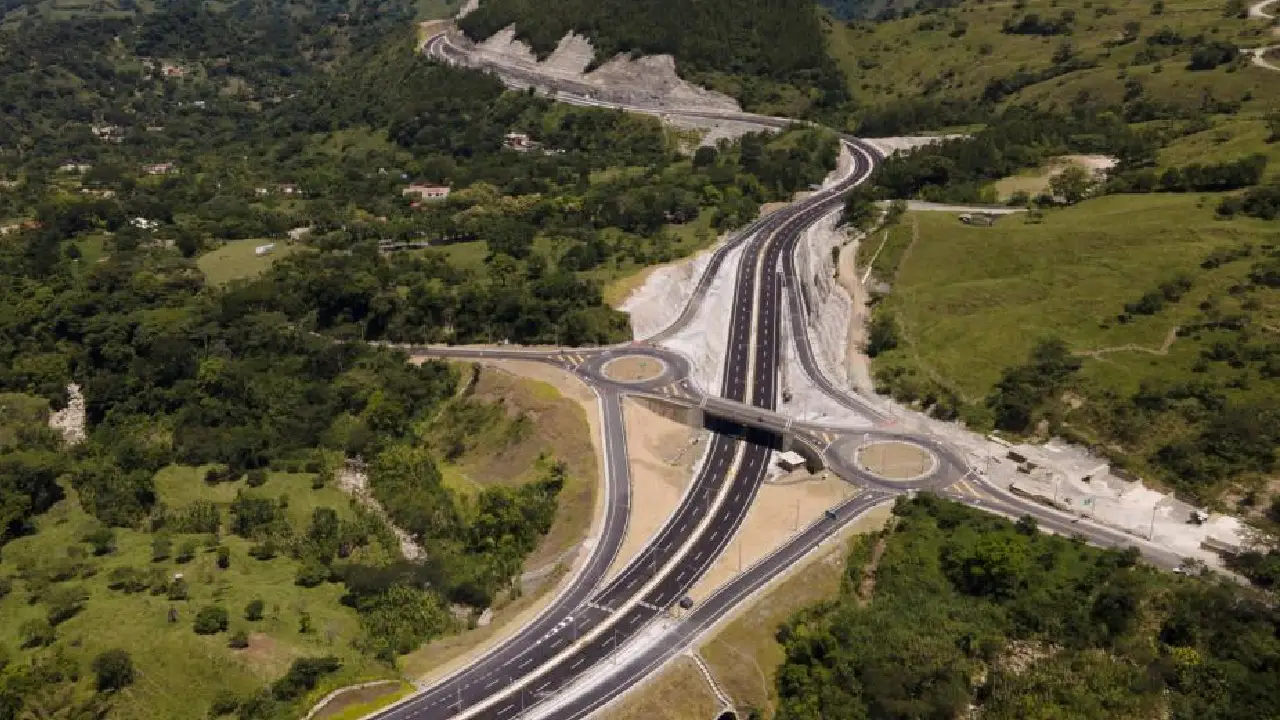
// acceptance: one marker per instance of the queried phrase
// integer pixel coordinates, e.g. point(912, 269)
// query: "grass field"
point(237, 260)
point(955, 53)
point(181, 672)
point(972, 301)
point(16, 410)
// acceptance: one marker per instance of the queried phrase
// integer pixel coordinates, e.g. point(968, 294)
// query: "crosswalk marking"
point(965, 487)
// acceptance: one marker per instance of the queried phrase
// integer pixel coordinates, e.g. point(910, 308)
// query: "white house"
point(264, 249)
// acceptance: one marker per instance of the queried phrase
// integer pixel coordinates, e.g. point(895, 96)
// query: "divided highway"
point(591, 618)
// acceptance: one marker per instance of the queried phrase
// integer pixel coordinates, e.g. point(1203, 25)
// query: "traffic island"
point(896, 460)
point(634, 369)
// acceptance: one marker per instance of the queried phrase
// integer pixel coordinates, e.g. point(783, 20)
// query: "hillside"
point(954, 64)
point(768, 55)
point(953, 612)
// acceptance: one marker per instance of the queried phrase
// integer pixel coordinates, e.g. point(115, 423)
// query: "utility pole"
point(797, 525)
point(1152, 532)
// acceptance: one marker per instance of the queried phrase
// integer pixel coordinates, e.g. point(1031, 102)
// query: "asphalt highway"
point(591, 619)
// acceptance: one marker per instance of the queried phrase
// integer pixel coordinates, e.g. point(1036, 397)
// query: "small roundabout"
point(895, 462)
point(639, 368)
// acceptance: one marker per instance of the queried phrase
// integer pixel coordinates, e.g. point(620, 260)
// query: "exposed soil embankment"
point(650, 80)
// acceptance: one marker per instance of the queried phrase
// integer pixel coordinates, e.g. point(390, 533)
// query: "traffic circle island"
point(896, 460)
point(634, 369)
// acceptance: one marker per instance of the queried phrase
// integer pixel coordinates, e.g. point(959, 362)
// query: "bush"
point(303, 676)
point(113, 670)
point(211, 619)
point(161, 548)
point(103, 541)
point(178, 590)
point(6, 587)
point(65, 603)
point(224, 703)
point(186, 552)
point(224, 557)
point(263, 550)
point(240, 640)
point(256, 478)
point(37, 633)
point(253, 611)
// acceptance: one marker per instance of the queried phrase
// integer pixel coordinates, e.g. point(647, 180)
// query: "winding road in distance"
point(590, 618)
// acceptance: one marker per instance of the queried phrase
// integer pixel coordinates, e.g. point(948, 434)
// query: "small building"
point(264, 249)
point(144, 224)
point(75, 166)
point(108, 133)
point(520, 142)
point(289, 189)
point(261, 192)
point(790, 460)
point(427, 192)
point(160, 169)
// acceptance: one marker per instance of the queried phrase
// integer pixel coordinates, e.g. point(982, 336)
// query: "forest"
point(136, 147)
point(1023, 625)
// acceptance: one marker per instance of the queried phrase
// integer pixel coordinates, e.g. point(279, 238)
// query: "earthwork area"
point(894, 460)
point(634, 368)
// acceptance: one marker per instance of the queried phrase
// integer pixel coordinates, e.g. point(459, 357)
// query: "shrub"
point(37, 633)
point(253, 611)
point(256, 478)
point(239, 640)
point(113, 670)
point(211, 619)
point(161, 548)
point(65, 603)
point(303, 676)
point(103, 541)
point(186, 552)
point(224, 557)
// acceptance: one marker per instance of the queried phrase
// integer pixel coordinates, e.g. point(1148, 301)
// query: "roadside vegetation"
point(190, 548)
point(969, 609)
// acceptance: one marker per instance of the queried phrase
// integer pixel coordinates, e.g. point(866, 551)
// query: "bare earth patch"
point(783, 505)
point(662, 453)
point(679, 692)
point(895, 460)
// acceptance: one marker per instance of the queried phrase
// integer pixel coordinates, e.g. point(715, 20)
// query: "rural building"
point(427, 192)
point(264, 249)
point(108, 133)
point(160, 169)
point(520, 142)
point(75, 166)
point(790, 460)
point(144, 224)
point(289, 189)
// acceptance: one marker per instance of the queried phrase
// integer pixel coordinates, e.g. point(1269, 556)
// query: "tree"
point(211, 620)
point(239, 640)
point(1073, 184)
point(224, 557)
point(113, 670)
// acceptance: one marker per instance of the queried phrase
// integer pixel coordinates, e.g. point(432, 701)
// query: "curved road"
point(589, 620)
